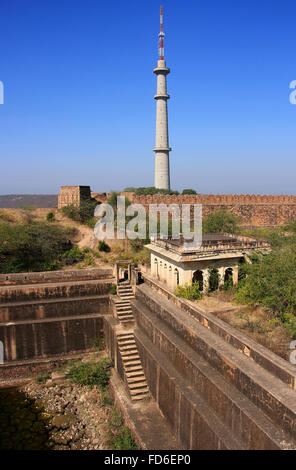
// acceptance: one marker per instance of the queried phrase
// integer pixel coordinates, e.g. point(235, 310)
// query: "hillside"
point(14, 201)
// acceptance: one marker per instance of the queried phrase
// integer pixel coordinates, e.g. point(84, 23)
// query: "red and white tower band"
point(161, 149)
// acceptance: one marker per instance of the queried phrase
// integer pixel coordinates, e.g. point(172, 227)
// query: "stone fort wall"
point(253, 210)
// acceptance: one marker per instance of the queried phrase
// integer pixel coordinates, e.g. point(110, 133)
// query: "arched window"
point(228, 278)
point(198, 277)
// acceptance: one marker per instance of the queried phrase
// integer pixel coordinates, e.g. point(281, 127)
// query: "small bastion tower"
point(161, 149)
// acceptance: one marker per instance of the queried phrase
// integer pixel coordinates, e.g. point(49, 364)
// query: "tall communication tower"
point(161, 149)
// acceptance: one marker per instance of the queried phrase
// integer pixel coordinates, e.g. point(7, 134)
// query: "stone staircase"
point(124, 311)
point(125, 291)
point(133, 370)
point(132, 366)
point(123, 306)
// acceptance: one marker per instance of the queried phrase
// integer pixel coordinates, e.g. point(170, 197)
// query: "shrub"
point(103, 246)
point(220, 221)
point(73, 256)
point(270, 282)
point(91, 373)
point(289, 321)
point(150, 190)
point(91, 222)
point(140, 257)
point(32, 247)
point(189, 291)
point(50, 217)
point(214, 279)
point(123, 439)
point(113, 289)
point(71, 212)
point(89, 259)
point(82, 213)
point(137, 244)
point(189, 191)
point(42, 378)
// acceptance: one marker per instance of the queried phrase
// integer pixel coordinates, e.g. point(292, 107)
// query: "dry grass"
point(255, 322)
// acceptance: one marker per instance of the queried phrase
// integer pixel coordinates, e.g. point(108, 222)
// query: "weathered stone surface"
point(50, 318)
point(63, 422)
point(213, 395)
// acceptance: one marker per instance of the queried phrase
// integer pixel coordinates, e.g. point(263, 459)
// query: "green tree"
point(270, 282)
point(220, 221)
point(189, 191)
point(32, 247)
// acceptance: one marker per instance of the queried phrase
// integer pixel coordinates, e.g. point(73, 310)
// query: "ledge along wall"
point(217, 388)
point(49, 314)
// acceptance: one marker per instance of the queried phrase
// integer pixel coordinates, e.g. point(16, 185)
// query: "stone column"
point(235, 275)
point(221, 272)
point(206, 277)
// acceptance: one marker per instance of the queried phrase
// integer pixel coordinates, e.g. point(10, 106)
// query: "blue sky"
point(79, 88)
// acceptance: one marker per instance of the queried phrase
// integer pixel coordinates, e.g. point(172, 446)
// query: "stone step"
point(142, 396)
point(128, 347)
point(124, 309)
point(123, 312)
point(140, 376)
point(127, 323)
point(139, 391)
point(137, 384)
point(136, 373)
point(125, 335)
point(124, 342)
point(127, 359)
point(132, 366)
point(126, 356)
point(125, 317)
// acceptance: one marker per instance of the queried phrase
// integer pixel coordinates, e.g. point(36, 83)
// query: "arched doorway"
point(156, 268)
point(176, 277)
point(213, 279)
point(165, 272)
point(198, 277)
point(228, 278)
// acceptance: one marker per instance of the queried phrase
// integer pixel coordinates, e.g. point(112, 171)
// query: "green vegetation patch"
point(189, 291)
point(84, 213)
point(91, 373)
point(220, 221)
point(33, 247)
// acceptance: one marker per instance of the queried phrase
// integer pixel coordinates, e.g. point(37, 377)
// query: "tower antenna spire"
point(161, 36)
